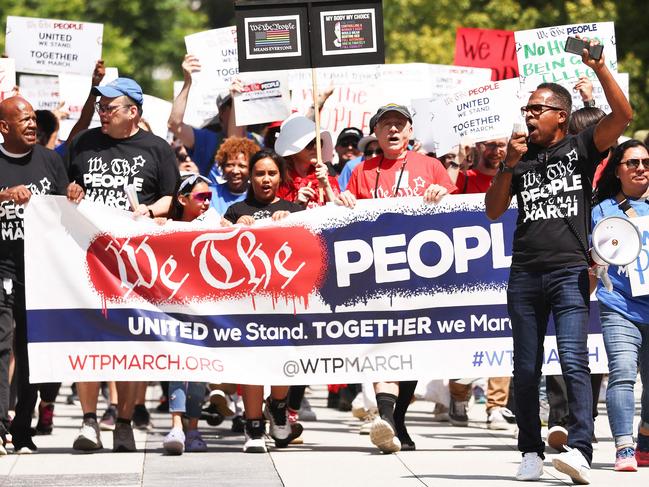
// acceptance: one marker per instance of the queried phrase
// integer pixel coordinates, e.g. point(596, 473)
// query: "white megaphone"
point(616, 241)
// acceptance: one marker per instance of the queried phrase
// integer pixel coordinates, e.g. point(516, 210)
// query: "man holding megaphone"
point(549, 172)
point(625, 318)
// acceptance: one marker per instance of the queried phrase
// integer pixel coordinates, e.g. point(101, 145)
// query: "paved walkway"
point(333, 454)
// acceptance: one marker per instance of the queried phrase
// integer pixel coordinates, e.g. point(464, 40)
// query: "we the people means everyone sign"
point(393, 289)
point(48, 46)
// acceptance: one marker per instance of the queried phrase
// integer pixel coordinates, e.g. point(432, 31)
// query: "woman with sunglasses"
point(308, 183)
point(622, 192)
point(186, 398)
point(267, 172)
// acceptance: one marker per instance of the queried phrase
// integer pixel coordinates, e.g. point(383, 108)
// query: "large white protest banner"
point(41, 91)
point(392, 290)
point(262, 99)
point(49, 46)
point(216, 51)
point(542, 58)
point(638, 270)
point(479, 113)
point(7, 77)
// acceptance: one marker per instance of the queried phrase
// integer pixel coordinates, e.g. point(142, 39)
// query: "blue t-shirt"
point(346, 173)
point(223, 198)
point(206, 142)
point(620, 298)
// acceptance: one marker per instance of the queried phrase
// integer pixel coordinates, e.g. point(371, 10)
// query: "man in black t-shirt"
point(104, 160)
point(26, 169)
point(550, 173)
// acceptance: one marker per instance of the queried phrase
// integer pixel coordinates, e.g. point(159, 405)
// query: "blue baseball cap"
point(119, 87)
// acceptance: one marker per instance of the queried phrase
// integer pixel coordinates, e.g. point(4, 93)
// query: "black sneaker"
point(238, 424)
point(211, 415)
point(254, 437)
point(141, 417)
point(457, 413)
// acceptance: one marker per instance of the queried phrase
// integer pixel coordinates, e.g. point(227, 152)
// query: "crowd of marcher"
point(229, 175)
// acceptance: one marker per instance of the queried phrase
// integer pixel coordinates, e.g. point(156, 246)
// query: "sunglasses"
point(204, 196)
point(635, 163)
point(538, 109)
point(372, 153)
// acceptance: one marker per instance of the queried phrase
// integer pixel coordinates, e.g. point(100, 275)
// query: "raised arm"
point(499, 195)
point(175, 123)
point(89, 106)
point(612, 125)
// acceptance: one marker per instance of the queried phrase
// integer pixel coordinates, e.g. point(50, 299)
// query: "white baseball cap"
point(296, 132)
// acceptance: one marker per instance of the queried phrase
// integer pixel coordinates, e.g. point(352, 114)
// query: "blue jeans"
point(627, 345)
point(531, 296)
point(186, 397)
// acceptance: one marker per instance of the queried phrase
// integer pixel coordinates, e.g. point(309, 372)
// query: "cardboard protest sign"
point(48, 46)
point(598, 92)
point(216, 51)
point(156, 112)
point(487, 48)
point(41, 91)
point(263, 99)
point(7, 77)
point(480, 113)
point(542, 58)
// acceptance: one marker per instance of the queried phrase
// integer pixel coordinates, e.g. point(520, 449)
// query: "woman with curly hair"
point(233, 158)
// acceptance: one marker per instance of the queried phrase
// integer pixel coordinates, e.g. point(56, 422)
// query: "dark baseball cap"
point(390, 107)
point(120, 87)
point(350, 133)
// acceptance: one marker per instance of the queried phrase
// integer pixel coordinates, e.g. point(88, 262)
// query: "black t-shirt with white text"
point(553, 190)
point(258, 210)
point(103, 165)
point(42, 172)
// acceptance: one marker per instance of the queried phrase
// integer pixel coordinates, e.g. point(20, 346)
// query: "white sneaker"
point(573, 464)
point(88, 438)
point(440, 413)
point(366, 427)
point(557, 438)
point(254, 437)
point(383, 437)
point(496, 420)
point(531, 467)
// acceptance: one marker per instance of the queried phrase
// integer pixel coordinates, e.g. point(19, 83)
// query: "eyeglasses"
point(635, 163)
point(494, 146)
point(372, 153)
point(538, 109)
point(348, 142)
point(108, 108)
point(204, 196)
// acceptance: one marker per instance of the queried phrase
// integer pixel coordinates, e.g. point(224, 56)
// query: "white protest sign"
point(265, 98)
point(542, 58)
point(156, 112)
point(41, 91)
point(480, 113)
point(639, 269)
point(598, 92)
point(74, 90)
point(7, 77)
point(216, 51)
point(48, 46)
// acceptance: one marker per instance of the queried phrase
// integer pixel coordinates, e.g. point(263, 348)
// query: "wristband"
point(151, 215)
point(504, 168)
point(589, 103)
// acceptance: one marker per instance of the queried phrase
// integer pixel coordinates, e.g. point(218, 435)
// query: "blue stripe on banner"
point(133, 325)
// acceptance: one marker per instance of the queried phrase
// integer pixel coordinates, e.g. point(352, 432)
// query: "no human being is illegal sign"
point(294, 34)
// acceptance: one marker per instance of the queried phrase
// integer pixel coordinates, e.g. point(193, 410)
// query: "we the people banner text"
point(391, 290)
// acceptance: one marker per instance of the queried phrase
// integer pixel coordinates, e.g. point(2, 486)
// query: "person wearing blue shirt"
point(621, 192)
point(369, 146)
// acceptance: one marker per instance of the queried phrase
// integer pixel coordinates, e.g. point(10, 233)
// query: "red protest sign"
point(487, 48)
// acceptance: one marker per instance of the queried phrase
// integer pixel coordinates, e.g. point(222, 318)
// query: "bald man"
point(26, 169)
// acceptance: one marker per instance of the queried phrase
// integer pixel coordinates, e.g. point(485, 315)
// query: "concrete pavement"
point(333, 453)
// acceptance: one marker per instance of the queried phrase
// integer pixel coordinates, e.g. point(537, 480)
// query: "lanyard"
point(378, 172)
